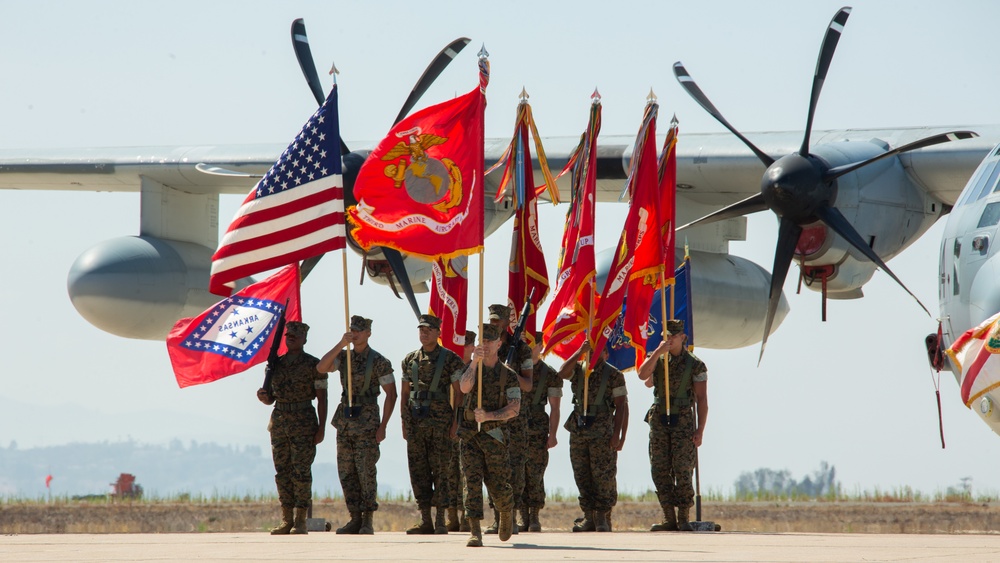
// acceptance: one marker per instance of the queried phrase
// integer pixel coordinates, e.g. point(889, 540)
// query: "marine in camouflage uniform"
point(455, 480)
point(428, 423)
point(296, 427)
point(541, 434)
point(596, 436)
point(484, 451)
point(674, 439)
point(360, 430)
point(517, 427)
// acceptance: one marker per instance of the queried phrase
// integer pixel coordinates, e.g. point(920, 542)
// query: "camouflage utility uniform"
point(293, 426)
point(671, 448)
point(546, 383)
point(428, 417)
point(484, 452)
point(595, 462)
point(357, 449)
point(517, 427)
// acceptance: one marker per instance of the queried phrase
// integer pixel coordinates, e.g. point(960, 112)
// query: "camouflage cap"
point(360, 323)
point(429, 320)
point(297, 328)
point(675, 327)
point(501, 312)
point(491, 333)
point(470, 338)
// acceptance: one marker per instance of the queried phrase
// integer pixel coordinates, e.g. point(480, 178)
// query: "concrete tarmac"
point(545, 547)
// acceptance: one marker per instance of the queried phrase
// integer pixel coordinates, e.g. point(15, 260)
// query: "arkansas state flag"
point(569, 314)
point(236, 333)
point(977, 356)
point(421, 190)
point(449, 300)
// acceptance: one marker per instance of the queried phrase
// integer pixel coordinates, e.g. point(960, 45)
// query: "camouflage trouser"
point(455, 481)
point(536, 459)
point(293, 457)
point(485, 459)
point(517, 437)
point(429, 450)
point(357, 456)
point(595, 465)
point(671, 459)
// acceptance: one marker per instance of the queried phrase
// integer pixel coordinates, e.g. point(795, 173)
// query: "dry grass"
point(234, 516)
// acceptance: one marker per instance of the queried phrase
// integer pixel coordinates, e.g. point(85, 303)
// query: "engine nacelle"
point(883, 204)
point(729, 297)
point(139, 287)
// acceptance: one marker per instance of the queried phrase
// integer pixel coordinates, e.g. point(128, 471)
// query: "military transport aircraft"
point(849, 200)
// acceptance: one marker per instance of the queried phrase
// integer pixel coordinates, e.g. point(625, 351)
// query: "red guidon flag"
point(236, 333)
point(526, 270)
point(654, 251)
point(449, 300)
point(421, 190)
point(568, 316)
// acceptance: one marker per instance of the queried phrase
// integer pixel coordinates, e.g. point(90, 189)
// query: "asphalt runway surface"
point(545, 547)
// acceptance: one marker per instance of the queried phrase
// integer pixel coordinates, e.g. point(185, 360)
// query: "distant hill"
point(196, 468)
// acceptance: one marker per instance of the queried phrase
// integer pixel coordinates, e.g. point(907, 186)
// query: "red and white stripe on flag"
point(295, 212)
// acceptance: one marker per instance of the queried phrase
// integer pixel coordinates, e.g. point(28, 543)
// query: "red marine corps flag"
point(654, 252)
point(295, 212)
point(236, 333)
point(421, 190)
point(527, 269)
point(640, 226)
point(449, 300)
point(569, 315)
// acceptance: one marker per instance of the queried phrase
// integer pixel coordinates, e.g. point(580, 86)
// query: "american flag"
point(295, 212)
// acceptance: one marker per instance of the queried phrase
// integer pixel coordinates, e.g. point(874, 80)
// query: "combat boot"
point(439, 525)
point(453, 525)
point(492, 528)
point(669, 523)
point(464, 525)
point(353, 526)
point(601, 521)
point(286, 522)
point(522, 519)
point(586, 524)
point(299, 526)
point(533, 524)
point(682, 519)
point(611, 526)
point(476, 536)
point(425, 526)
point(506, 528)
point(367, 528)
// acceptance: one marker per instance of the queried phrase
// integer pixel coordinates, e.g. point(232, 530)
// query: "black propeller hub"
point(794, 189)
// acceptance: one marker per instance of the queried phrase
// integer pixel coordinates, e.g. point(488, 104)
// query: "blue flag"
point(620, 350)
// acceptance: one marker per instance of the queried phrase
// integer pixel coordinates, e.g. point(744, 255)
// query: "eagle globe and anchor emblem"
point(430, 181)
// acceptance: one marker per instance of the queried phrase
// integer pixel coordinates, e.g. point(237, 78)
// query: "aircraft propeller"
point(300, 43)
point(800, 188)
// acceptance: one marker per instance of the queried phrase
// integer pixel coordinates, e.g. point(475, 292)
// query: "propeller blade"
point(307, 266)
point(836, 221)
point(395, 260)
point(300, 43)
point(695, 92)
point(437, 66)
point(784, 251)
point(834, 173)
point(752, 204)
point(826, 52)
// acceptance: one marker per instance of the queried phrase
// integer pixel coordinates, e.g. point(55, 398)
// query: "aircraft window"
point(991, 215)
point(974, 183)
point(987, 186)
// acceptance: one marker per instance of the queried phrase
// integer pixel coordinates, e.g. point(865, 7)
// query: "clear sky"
point(855, 392)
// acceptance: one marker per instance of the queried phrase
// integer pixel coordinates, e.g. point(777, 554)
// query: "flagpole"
point(479, 391)
point(588, 363)
point(347, 321)
point(663, 331)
